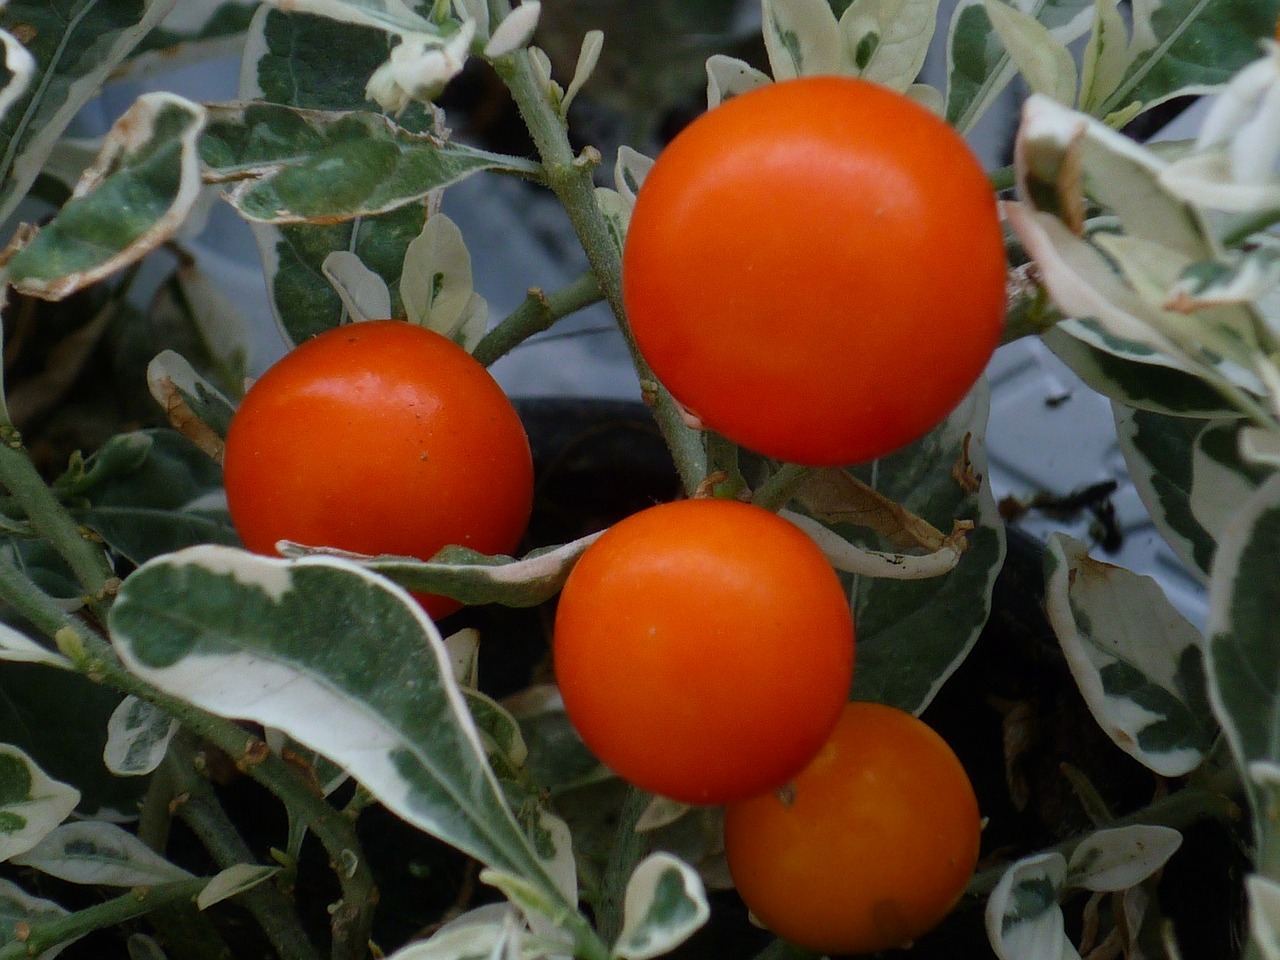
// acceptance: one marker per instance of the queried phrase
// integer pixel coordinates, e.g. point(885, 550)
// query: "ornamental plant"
point(208, 750)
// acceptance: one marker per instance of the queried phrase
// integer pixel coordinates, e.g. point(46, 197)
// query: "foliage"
point(137, 630)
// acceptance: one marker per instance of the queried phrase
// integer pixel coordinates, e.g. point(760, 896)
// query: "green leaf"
point(1190, 475)
point(31, 802)
point(171, 498)
point(978, 65)
point(912, 634)
point(17, 907)
point(316, 63)
point(887, 40)
point(138, 736)
point(1118, 858)
point(1190, 43)
point(68, 743)
point(1125, 373)
point(232, 882)
point(663, 906)
point(235, 634)
point(1136, 660)
point(1244, 634)
point(1043, 60)
point(95, 852)
point(76, 45)
point(474, 578)
point(310, 166)
point(802, 38)
point(436, 284)
point(137, 195)
point(1023, 916)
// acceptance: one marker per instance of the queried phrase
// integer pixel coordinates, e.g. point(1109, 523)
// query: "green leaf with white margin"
point(1062, 155)
point(504, 744)
point(1043, 60)
point(232, 882)
point(234, 633)
point(1118, 858)
point(1190, 475)
point(76, 45)
point(392, 16)
point(364, 294)
point(316, 63)
point(663, 906)
point(1124, 372)
point(95, 852)
point(588, 57)
point(484, 933)
point(19, 648)
point(135, 197)
point(728, 76)
point(436, 284)
point(802, 38)
point(913, 634)
point(1244, 637)
point(1024, 920)
point(979, 67)
point(138, 736)
point(471, 577)
point(309, 166)
point(19, 908)
point(31, 802)
point(172, 380)
point(1193, 44)
point(631, 168)
point(1240, 276)
point(1136, 660)
point(885, 41)
point(1108, 55)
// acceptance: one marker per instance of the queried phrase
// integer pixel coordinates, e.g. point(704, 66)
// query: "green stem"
point(353, 918)
point(50, 520)
point(782, 484)
point(1181, 809)
point(570, 178)
point(202, 812)
point(629, 847)
point(723, 457)
point(44, 935)
point(537, 313)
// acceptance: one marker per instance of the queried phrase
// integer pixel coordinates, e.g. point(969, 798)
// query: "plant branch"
point(50, 519)
point(570, 178)
point(44, 935)
point(92, 655)
point(782, 484)
point(629, 846)
point(201, 811)
point(537, 313)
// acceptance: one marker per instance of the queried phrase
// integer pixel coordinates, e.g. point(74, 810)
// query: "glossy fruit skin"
point(877, 846)
point(816, 269)
point(704, 649)
point(379, 437)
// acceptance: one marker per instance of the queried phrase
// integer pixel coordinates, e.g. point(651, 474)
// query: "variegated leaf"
point(32, 803)
point(94, 852)
point(1136, 660)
